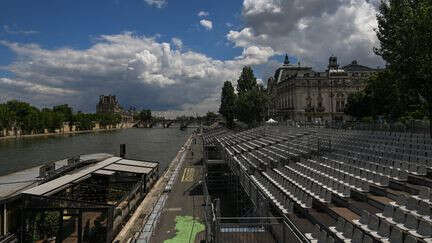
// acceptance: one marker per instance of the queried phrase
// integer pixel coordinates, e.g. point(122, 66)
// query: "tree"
point(228, 99)
point(358, 105)
point(65, 110)
point(388, 98)
point(251, 106)
point(52, 120)
point(109, 119)
point(246, 81)
point(145, 115)
point(404, 31)
point(84, 121)
point(252, 99)
point(210, 118)
point(6, 118)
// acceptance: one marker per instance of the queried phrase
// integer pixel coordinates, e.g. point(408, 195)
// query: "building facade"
point(299, 93)
point(108, 104)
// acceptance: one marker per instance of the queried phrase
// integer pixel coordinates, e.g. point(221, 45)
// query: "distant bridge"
point(167, 123)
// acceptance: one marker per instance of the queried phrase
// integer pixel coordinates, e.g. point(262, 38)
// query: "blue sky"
point(163, 54)
point(77, 23)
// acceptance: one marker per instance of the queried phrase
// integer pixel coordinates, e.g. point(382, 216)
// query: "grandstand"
point(321, 185)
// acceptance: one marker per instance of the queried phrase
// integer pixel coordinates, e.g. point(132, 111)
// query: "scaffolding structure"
point(236, 209)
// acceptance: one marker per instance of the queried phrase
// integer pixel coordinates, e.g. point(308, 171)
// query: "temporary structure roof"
point(106, 167)
point(104, 172)
point(47, 187)
point(271, 121)
point(128, 168)
point(137, 163)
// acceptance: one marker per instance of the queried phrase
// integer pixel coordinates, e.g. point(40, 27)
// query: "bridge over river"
point(167, 123)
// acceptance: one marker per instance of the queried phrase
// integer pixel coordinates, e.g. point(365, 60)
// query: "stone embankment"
point(65, 131)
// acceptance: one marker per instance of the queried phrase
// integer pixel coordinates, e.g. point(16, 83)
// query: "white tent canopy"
point(271, 121)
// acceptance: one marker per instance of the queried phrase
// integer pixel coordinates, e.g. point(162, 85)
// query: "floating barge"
point(81, 199)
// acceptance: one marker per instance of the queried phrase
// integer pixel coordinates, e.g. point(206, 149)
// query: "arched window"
point(340, 102)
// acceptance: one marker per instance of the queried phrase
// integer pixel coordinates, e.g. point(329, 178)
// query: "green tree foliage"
point(246, 81)
point(404, 31)
point(30, 120)
point(358, 105)
point(84, 121)
point(251, 105)
point(228, 99)
point(6, 117)
point(52, 120)
point(109, 119)
point(251, 100)
point(66, 111)
point(210, 118)
point(145, 115)
point(382, 96)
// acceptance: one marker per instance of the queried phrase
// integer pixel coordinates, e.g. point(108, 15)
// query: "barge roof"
point(14, 183)
point(116, 164)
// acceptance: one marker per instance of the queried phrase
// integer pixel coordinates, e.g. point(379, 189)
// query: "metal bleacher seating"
point(318, 168)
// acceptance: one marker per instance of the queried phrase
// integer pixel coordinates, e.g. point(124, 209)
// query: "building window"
point(340, 102)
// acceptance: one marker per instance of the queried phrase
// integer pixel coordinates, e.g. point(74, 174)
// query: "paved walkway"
point(138, 219)
point(182, 217)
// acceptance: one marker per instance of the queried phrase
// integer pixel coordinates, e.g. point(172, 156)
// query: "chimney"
point(122, 150)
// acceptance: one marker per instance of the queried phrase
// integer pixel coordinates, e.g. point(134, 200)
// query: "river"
point(155, 144)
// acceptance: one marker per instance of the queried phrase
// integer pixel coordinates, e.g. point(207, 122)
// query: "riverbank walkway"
point(182, 218)
point(172, 211)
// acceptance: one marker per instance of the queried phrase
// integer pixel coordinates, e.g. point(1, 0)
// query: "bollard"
point(122, 150)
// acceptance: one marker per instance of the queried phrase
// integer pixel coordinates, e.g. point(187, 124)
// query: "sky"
point(169, 55)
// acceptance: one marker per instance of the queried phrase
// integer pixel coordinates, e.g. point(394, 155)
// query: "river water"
point(155, 144)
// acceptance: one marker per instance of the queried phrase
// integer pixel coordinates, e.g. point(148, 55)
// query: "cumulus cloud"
point(311, 30)
point(140, 70)
point(206, 24)
point(177, 43)
point(203, 14)
point(156, 3)
point(9, 30)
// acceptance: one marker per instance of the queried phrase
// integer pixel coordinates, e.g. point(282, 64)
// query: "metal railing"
point(251, 229)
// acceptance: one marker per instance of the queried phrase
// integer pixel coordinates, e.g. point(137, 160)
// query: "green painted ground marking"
point(183, 228)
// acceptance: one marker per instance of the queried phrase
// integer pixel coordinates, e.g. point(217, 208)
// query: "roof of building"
point(137, 163)
point(355, 67)
point(12, 184)
point(104, 172)
point(61, 182)
point(105, 167)
point(128, 168)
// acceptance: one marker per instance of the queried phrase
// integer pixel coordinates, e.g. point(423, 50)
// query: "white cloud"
point(256, 55)
point(261, 6)
point(311, 30)
point(139, 70)
point(9, 30)
point(206, 24)
point(177, 43)
point(156, 3)
point(203, 14)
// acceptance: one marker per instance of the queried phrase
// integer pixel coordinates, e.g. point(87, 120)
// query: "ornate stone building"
point(299, 93)
point(108, 104)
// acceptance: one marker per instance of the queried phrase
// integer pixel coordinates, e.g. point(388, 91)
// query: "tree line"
point(17, 115)
point(403, 90)
point(248, 105)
